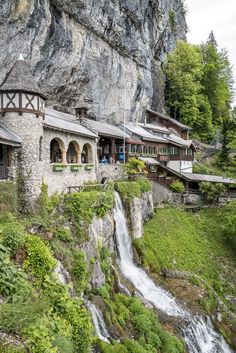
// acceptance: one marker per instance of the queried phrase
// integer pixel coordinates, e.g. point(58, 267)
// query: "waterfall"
point(199, 334)
point(98, 322)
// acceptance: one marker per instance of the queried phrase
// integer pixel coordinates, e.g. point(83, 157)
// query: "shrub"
point(39, 261)
point(43, 335)
point(172, 21)
point(212, 191)
point(82, 207)
point(145, 185)
point(71, 310)
point(16, 317)
point(134, 166)
point(80, 271)
point(130, 189)
point(177, 186)
point(131, 314)
point(8, 198)
point(64, 234)
point(13, 236)
point(13, 281)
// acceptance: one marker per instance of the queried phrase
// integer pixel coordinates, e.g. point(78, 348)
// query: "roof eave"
point(114, 136)
point(70, 131)
point(184, 127)
point(17, 90)
point(10, 143)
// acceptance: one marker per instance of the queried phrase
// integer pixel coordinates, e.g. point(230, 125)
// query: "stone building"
point(39, 144)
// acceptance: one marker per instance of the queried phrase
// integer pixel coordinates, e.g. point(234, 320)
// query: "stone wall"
point(59, 181)
point(159, 192)
point(29, 128)
point(110, 171)
point(34, 166)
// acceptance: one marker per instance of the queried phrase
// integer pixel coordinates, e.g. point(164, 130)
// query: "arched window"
point(73, 151)
point(56, 148)
point(87, 154)
point(41, 148)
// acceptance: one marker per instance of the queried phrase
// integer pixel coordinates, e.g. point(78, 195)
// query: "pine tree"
point(216, 79)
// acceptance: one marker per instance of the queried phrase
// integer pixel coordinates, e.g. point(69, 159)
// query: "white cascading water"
point(199, 334)
point(98, 322)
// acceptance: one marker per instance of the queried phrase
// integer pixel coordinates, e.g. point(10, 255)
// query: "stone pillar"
point(63, 156)
point(113, 146)
point(78, 157)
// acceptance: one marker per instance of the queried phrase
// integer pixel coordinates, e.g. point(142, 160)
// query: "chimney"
point(81, 115)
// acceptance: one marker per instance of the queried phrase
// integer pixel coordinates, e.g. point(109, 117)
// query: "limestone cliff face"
point(106, 51)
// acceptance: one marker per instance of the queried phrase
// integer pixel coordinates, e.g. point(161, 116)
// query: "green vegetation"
point(172, 21)
point(130, 189)
point(8, 199)
point(80, 271)
point(193, 243)
point(82, 207)
point(39, 309)
point(131, 318)
point(199, 89)
point(134, 167)
point(229, 225)
point(177, 186)
point(39, 261)
point(212, 191)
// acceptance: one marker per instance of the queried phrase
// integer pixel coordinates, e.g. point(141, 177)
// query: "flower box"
point(59, 167)
point(88, 166)
point(76, 167)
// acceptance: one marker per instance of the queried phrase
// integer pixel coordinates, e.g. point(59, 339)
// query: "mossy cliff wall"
point(109, 52)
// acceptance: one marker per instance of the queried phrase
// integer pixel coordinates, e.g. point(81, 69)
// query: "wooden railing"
point(103, 186)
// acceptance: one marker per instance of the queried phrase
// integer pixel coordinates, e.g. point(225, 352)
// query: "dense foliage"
point(48, 316)
point(199, 88)
point(134, 167)
point(130, 315)
point(130, 189)
point(177, 186)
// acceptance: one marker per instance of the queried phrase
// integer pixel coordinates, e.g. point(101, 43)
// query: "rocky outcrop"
point(141, 209)
point(109, 51)
point(100, 233)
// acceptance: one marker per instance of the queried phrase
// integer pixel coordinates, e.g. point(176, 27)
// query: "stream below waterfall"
point(98, 321)
point(198, 332)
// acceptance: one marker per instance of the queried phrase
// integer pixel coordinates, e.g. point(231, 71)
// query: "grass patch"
point(175, 239)
point(130, 189)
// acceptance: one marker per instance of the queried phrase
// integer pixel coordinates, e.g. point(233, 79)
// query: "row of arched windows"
point(73, 154)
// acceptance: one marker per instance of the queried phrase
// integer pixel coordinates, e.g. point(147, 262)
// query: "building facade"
point(41, 145)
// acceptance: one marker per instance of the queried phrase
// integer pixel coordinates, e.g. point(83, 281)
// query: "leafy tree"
point(199, 88)
point(185, 100)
